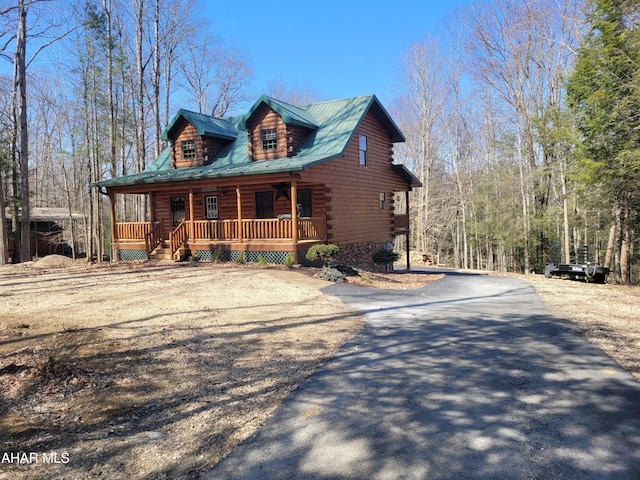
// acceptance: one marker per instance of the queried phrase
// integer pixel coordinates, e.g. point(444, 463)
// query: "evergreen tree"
point(604, 94)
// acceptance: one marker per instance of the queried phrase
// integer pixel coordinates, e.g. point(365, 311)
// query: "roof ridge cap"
point(283, 101)
point(370, 95)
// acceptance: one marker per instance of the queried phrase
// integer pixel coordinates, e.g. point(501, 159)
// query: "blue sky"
point(340, 48)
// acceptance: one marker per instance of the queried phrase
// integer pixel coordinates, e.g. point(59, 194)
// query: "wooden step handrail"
point(178, 237)
point(153, 238)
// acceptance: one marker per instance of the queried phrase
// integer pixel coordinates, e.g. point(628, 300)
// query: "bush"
point(347, 270)
point(324, 252)
point(289, 262)
point(331, 275)
point(261, 260)
point(216, 255)
point(382, 257)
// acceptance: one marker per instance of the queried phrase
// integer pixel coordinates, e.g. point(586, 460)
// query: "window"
point(383, 201)
point(264, 204)
point(177, 210)
point(304, 202)
point(363, 150)
point(269, 139)
point(188, 149)
point(211, 207)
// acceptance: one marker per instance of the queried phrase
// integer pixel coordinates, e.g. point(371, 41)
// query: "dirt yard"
point(151, 371)
point(156, 371)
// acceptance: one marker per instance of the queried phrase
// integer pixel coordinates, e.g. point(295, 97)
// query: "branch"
point(51, 42)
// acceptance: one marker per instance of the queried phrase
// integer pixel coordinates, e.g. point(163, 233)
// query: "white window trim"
point(206, 207)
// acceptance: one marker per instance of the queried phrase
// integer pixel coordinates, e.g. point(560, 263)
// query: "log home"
point(269, 183)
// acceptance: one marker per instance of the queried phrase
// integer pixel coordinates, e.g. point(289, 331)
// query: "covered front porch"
point(205, 218)
point(193, 236)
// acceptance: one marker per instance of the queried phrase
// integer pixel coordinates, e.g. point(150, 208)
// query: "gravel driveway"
point(468, 378)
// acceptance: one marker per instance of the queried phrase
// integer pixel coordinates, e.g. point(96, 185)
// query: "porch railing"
point(312, 228)
point(133, 230)
point(216, 229)
point(401, 221)
point(266, 229)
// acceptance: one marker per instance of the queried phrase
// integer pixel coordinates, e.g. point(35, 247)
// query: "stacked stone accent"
point(360, 255)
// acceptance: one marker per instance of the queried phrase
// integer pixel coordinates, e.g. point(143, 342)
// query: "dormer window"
point(188, 149)
point(269, 139)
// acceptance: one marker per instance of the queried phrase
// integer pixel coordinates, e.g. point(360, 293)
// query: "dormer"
point(276, 129)
point(196, 138)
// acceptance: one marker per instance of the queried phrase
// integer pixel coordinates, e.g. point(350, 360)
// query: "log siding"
point(354, 215)
point(206, 147)
point(352, 204)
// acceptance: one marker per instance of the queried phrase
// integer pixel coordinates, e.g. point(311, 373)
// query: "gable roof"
point(290, 113)
point(205, 125)
point(334, 124)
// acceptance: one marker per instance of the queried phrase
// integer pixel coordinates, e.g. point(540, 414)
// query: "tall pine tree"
point(604, 94)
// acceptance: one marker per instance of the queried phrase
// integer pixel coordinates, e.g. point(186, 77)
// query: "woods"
point(518, 170)
point(519, 121)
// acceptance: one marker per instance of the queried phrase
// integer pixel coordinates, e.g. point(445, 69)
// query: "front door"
point(177, 210)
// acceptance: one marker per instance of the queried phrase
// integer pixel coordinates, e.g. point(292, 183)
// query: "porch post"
point(294, 219)
point(408, 229)
point(191, 215)
point(239, 201)
point(115, 250)
point(152, 212)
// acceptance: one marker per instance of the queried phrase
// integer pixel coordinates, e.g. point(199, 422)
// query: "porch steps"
point(164, 253)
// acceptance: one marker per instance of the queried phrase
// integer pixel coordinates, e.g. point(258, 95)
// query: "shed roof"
point(47, 214)
point(334, 123)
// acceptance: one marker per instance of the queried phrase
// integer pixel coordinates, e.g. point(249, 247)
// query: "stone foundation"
point(360, 255)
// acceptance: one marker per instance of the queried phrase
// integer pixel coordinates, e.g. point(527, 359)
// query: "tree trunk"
point(565, 216)
point(4, 240)
point(20, 87)
point(625, 249)
point(70, 208)
point(610, 244)
point(156, 79)
point(525, 212)
point(141, 137)
point(113, 161)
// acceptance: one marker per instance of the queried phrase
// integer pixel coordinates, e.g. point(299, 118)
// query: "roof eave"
point(157, 177)
point(385, 120)
point(406, 175)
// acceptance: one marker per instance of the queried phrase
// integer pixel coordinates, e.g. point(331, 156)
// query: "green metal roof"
point(290, 113)
point(205, 125)
point(163, 162)
point(335, 122)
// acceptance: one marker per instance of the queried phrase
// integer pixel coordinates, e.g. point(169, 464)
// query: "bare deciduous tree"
point(214, 75)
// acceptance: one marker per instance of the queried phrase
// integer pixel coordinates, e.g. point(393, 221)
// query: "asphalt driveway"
point(467, 378)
